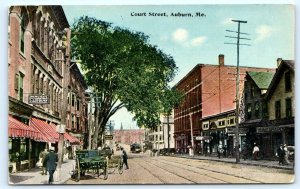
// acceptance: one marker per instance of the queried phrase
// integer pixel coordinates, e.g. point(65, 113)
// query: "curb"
point(245, 163)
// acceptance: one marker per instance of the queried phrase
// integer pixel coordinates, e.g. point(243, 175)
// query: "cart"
point(115, 163)
point(90, 161)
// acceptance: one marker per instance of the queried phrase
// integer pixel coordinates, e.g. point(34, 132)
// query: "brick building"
point(129, 136)
point(38, 64)
point(208, 90)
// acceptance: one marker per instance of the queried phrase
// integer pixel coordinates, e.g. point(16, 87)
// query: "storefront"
point(22, 144)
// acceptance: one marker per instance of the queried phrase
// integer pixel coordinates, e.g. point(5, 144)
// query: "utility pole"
point(65, 47)
point(192, 136)
point(237, 99)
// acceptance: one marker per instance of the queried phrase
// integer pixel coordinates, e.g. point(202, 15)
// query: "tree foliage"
point(124, 70)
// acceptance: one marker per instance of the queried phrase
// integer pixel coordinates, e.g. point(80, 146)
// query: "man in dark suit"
point(125, 157)
point(50, 160)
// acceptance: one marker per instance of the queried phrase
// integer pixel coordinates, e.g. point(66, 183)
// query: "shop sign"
point(108, 137)
point(268, 129)
point(38, 99)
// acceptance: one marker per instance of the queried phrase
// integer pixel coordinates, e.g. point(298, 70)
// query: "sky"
point(191, 40)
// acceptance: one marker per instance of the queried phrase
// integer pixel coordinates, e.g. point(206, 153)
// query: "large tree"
point(124, 70)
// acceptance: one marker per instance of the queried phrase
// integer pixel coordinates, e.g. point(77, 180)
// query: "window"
point(277, 109)
point(249, 111)
point(265, 109)
point(78, 105)
point(77, 123)
point(288, 106)
point(73, 121)
point(252, 91)
point(232, 121)
point(73, 100)
point(222, 123)
point(22, 32)
point(257, 110)
point(288, 86)
point(19, 85)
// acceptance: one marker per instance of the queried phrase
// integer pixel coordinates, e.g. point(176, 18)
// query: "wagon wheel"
point(78, 170)
point(120, 166)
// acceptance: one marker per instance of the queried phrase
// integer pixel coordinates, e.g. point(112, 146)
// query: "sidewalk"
point(34, 176)
point(262, 163)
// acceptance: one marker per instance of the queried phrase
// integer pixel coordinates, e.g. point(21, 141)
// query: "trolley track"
point(171, 162)
point(159, 178)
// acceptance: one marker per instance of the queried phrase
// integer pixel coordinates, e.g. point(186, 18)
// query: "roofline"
point(219, 114)
point(276, 75)
point(212, 65)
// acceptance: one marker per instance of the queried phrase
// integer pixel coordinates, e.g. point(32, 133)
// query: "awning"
point(71, 139)
point(49, 133)
point(19, 129)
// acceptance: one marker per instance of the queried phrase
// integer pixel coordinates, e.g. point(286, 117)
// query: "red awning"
point(18, 129)
point(71, 139)
point(48, 131)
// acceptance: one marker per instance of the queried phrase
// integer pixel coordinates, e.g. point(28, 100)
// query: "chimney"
point(279, 60)
point(221, 59)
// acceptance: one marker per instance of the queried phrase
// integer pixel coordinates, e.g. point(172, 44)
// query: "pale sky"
point(193, 40)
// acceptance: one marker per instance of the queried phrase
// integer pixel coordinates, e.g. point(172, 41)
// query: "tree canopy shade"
point(124, 70)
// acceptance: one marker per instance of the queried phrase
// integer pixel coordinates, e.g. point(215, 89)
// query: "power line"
point(237, 81)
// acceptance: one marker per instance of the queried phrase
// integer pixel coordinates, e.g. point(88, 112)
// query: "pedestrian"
point(42, 156)
point(286, 155)
point(255, 151)
point(50, 160)
point(280, 154)
point(220, 150)
point(125, 157)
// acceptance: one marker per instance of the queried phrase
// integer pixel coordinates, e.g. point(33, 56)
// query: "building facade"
point(255, 108)
point(208, 90)
point(129, 136)
point(37, 69)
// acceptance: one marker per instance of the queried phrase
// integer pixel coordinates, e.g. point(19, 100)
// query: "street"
point(145, 169)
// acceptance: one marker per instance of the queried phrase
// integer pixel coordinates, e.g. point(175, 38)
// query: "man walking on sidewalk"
point(51, 159)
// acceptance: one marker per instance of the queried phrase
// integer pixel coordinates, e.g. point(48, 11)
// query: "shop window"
point(288, 105)
point(277, 109)
point(288, 86)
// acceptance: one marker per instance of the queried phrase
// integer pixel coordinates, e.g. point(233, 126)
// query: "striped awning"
point(18, 129)
point(49, 132)
point(71, 139)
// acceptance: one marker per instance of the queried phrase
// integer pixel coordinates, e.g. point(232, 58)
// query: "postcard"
point(151, 94)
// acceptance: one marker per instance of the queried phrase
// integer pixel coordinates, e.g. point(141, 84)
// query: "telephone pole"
point(237, 99)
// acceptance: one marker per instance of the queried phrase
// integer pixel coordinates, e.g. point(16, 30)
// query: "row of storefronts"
point(266, 111)
point(27, 141)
